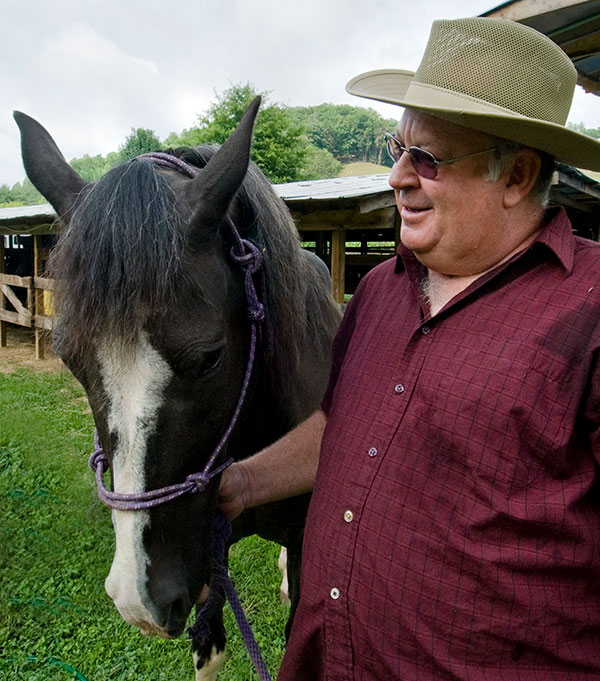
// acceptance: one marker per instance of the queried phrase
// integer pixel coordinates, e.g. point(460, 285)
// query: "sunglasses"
point(424, 162)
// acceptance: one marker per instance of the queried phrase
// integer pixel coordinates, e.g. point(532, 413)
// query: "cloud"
point(91, 71)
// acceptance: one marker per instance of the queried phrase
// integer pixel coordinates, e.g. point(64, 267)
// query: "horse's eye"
point(210, 361)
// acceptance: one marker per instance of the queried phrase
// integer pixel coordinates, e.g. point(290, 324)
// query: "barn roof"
point(572, 24)
point(360, 196)
point(28, 220)
point(336, 188)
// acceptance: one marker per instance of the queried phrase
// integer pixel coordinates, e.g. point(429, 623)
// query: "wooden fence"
point(28, 301)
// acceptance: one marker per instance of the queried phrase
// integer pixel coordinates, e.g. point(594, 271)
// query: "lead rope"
point(249, 257)
point(221, 580)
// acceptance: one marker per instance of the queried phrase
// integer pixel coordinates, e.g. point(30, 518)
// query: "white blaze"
point(134, 379)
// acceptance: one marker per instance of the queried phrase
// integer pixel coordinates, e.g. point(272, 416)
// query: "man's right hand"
point(234, 484)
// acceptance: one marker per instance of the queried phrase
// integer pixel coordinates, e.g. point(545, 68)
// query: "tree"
point(580, 127)
point(279, 146)
point(319, 164)
point(140, 141)
point(350, 133)
point(25, 194)
point(91, 168)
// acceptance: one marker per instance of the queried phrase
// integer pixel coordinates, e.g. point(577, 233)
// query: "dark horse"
point(151, 319)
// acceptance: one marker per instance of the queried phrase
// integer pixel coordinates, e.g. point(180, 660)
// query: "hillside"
point(358, 169)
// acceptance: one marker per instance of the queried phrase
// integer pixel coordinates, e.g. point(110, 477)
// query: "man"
point(454, 529)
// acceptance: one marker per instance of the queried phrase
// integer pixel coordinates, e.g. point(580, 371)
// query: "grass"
point(56, 545)
point(358, 169)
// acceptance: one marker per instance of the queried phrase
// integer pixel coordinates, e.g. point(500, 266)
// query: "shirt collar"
point(557, 236)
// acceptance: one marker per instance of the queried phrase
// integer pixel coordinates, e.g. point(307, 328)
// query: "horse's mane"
point(122, 253)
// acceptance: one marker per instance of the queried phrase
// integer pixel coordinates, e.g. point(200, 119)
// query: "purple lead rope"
point(249, 256)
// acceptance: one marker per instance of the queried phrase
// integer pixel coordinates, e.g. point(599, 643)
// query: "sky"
point(91, 71)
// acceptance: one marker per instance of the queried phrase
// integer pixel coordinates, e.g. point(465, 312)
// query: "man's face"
point(455, 222)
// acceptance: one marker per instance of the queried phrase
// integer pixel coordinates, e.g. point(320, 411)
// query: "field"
point(56, 545)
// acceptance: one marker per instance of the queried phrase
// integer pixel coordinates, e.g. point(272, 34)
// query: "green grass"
point(56, 545)
point(359, 168)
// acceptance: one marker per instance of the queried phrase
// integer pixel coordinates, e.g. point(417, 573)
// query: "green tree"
point(580, 127)
point(5, 194)
point(279, 146)
point(140, 141)
point(91, 168)
point(25, 194)
point(319, 164)
point(350, 133)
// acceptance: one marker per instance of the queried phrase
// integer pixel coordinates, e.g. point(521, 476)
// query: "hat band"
point(422, 95)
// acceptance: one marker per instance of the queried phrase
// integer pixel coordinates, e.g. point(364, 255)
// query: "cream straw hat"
point(495, 76)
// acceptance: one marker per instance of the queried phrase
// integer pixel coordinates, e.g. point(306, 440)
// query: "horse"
point(151, 318)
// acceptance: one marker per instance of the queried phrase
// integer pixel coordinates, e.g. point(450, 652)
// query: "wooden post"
point(2, 299)
point(338, 263)
point(42, 336)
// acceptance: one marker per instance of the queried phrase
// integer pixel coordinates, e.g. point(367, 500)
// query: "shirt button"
point(425, 330)
point(348, 516)
point(334, 593)
point(399, 389)
point(372, 451)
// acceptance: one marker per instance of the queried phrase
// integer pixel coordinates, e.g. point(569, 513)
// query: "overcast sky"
point(91, 70)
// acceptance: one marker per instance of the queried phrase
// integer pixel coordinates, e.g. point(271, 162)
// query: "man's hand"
point(283, 469)
point(233, 491)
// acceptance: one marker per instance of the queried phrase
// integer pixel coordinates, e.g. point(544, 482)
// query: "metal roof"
point(572, 24)
point(28, 220)
point(362, 195)
point(335, 188)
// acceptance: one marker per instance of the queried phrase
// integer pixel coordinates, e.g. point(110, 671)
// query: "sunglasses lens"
point(423, 162)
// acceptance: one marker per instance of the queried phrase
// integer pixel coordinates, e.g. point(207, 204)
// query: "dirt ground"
point(20, 352)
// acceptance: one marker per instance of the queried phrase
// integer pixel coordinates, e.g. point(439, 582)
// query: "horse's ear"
point(211, 192)
point(46, 167)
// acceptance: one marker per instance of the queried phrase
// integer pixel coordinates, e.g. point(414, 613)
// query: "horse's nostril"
point(177, 617)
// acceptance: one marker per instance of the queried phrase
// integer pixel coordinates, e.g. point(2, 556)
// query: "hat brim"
point(396, 86)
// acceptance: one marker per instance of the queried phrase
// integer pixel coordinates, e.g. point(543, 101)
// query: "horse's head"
point(151, 320)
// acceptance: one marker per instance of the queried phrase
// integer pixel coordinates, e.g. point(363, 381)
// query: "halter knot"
point(256, 313)
point(199, 481)
point(98, 458)
point(251, 257)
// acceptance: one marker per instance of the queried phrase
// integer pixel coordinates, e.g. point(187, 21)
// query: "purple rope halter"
point(249, 257)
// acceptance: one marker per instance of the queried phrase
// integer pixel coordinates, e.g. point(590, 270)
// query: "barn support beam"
point(43, 338)
point(338, 264)
point(2, 301)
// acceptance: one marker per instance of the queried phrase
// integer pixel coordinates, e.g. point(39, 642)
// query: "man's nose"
point(403, 174)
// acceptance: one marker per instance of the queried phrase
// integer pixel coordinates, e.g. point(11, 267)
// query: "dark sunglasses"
point(424, 162)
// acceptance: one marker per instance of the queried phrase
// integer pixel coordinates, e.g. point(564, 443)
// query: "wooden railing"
point(34, 312)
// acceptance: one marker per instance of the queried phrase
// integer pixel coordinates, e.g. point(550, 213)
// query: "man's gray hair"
point(501, 160)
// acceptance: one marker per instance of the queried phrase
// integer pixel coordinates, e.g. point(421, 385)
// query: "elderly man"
point(454, 530)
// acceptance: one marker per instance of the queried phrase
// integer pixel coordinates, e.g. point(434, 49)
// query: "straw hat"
point(495, 76)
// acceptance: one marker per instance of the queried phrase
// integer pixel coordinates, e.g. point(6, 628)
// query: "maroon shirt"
point(454, 531)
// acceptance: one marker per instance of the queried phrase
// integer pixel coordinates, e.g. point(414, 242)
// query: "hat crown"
point(501, 62)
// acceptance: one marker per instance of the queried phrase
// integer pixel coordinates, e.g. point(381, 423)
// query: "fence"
point(28, 301)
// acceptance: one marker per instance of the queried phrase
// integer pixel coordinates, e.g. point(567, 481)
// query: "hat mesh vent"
point(465, 60)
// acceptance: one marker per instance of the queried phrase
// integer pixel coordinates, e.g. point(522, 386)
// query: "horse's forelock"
point(119, 256)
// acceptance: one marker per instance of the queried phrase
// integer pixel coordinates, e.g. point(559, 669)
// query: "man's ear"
point(526, 166)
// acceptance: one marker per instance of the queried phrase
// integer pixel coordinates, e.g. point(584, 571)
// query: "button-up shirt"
point(454, 531)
